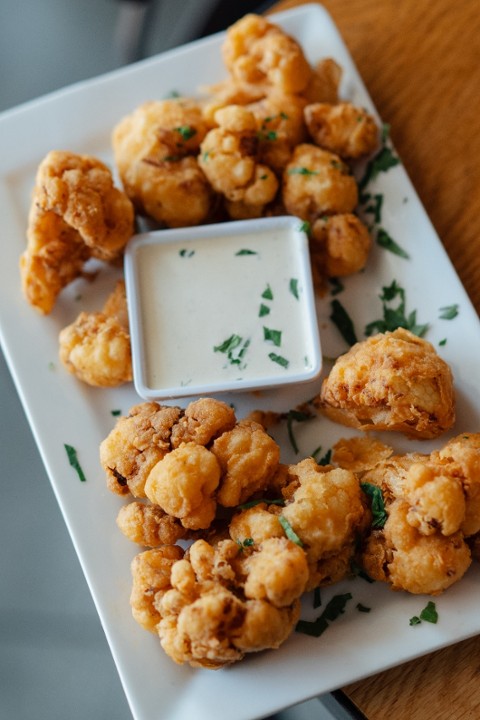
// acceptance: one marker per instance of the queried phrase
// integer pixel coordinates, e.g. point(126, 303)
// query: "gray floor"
point(54, 660)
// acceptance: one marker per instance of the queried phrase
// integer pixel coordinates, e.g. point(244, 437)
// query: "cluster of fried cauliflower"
point(256, 534)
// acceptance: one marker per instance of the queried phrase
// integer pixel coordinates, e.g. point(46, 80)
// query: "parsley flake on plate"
point(343, 321)
point(395, 316)
point(449, 312)
point(388, 243)
point(73, 460)
point(333, 609)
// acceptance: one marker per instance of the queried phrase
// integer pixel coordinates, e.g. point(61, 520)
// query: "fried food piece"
point(136, 443)
point(258, 523)
point(257, 52)
point(325, 511)
point(150, 431)
point(339, 245)
point(342, 128)
point(248, 458)
point(183, 484)
point(400, 555)
point(324, 82)
point(359, 453)
point(316, 183)
point(229, 159)
point(155, 150)
point(96, 347)
point(209, 621)
point(151, 579)
point(227, 93)
point(149, 525)
point(76, 213)
point(391, 381)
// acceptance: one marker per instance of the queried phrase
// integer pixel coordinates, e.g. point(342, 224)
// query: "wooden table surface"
point(420, 61)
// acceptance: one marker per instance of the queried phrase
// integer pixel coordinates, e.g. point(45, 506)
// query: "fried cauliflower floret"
point(257, 52)
point(339, 245)
point(325, 511)
point(203, 421)
point(151, 579)
point(391, 381)
point(76, 213)
point(359, 453)
point(248, 458)
point(400, 555)
point(183, 484)
point(229, 159)
point(324, 82)
point(227, 93)
point(280, 127)
point(149, 525)
point(155, 152)
point(208, 621)
point(96, 346)
point(342, 128)
point(316, 183)
point(135, 445)
point(258, 523)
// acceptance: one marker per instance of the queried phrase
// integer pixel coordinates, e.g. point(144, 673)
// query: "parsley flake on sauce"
point(274, 336)
point(279, 359)
point(333, 609)
point(343, 321)
point(394, 316)
point(73, 460)
point(234, 348)
point(377, 504)
point(449, 312)
point(263, 310)
point(267, 293)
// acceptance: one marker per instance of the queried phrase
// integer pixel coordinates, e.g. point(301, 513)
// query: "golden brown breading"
point(391, 381)
point(258, 523)
point(229, 159)
point(342, 128)
point(257, 52)
point(359, 453)
point(183, 484)
point(202, 421)
point(277, 572)
point(151, 579)
point(96, 346)
point(149, 525)
point(155, 150)
point(324, 82)
point(76, 213)
point(339, 245)
point(248, 458)
point(316, 183)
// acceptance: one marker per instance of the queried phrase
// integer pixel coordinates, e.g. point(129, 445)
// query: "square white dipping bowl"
point(221, 308)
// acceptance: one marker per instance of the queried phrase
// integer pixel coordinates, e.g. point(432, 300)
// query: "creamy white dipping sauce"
point(212, 311)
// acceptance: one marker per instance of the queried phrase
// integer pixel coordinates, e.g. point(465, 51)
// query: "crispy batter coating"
point(324, 82)
point(76, 213)
point(339, 245)
point(316, 183)
point(96, 346)
point(400, 555)
point(155, 150)
point(151, 579)
point(229, 159)
point(342, 128)
point(391, 381)
point(150, 431)
point(325, 511)
point(359, 453)
point(136, 443)
point(228, 92)
point(209, 621)
point(248, 458)
point(149, 525)
point(257, 52)
point(258, 523)
point(183, 484)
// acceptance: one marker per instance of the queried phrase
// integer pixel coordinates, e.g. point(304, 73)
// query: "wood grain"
point(420, 62)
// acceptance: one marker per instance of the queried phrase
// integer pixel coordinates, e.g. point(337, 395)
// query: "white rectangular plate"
point(61, 410)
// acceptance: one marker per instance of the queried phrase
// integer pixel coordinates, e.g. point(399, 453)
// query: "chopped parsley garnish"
point(234, 348)
point(305, 227)
point(115, 413)
point(274, 336)
point(186, 131)
point(395, 317)
point(388, 243)
point(279, 359)
point(289, 531)
point(317, 598)
point(381, 162)
point(259, 501)
point(325, 460)
point(263, 310)
point(73, 460)
point(337, 285)
point(267, 135)
point(377, 505)
point(356, 570)
point(301, 171)
point(428, 614)
point(443, 342)
point(248, 542)
point(184, 252)
point(333, 609)
point(293, 287)
point(246, 251)
point(343, 321)
point(449, 312)
point(267, 293)
point(375, 207)
point(295, 416)
point(362, 608)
